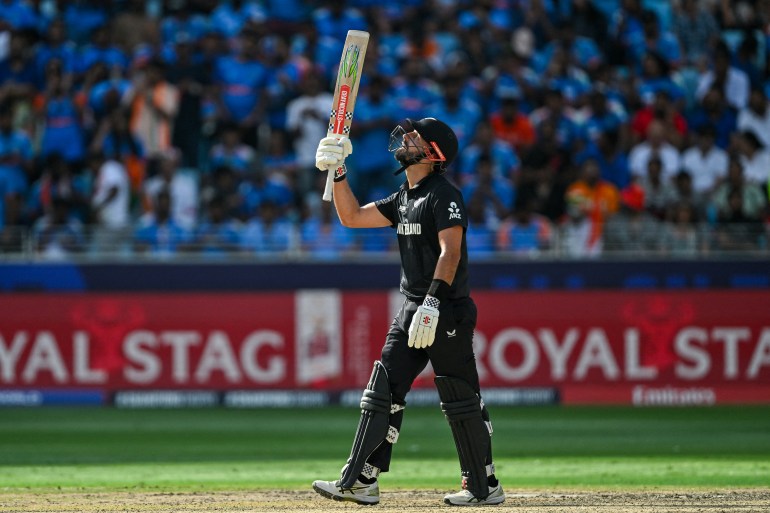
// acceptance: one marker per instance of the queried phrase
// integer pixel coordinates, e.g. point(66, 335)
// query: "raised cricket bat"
point(346, 91)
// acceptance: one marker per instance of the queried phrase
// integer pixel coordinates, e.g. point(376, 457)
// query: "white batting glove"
point(332, 152)
point(422, 330)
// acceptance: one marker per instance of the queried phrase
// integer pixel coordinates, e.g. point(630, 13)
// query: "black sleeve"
point(449, 208)
point(387, 207)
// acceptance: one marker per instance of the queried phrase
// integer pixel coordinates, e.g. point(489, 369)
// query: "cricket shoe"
point(360, 493)
point(466, 498)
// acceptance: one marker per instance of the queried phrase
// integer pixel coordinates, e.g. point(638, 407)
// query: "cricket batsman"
point(434, 324)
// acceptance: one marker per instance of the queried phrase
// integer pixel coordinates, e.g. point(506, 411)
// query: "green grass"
point(104, 448)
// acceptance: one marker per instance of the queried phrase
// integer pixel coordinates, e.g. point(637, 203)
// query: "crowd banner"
point(590, 347)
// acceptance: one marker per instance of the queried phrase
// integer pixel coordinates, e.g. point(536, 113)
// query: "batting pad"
point(462, 408)
point(372, 427)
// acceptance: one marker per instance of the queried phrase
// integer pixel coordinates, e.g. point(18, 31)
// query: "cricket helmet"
point(440, 138)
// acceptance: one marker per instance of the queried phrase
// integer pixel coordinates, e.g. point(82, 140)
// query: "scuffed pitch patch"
point(670, 501)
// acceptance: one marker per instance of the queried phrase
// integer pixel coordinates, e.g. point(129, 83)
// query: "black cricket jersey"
point(418, 215)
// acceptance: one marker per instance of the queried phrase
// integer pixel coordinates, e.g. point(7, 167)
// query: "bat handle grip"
point(329, 183)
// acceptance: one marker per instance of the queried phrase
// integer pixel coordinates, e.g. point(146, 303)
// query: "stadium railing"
point(19, 244)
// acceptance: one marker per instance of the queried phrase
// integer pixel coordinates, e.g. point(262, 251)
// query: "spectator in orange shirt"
point(153, 103)
point(512, 126)
point(595, 198)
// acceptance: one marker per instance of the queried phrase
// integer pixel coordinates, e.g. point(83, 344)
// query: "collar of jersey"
point(405, 185)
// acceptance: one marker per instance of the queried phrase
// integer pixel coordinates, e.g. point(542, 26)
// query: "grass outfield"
point(225, 449)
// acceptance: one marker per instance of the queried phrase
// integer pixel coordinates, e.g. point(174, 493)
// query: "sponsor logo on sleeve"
point(454, 211)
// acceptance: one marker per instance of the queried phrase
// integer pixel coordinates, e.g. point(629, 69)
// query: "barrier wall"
point(626, 347)
point(374, 275)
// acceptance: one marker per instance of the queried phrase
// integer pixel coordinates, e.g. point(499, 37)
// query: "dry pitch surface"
point(733, 501)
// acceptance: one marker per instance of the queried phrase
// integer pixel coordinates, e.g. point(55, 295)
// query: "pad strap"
point(370, 471)
point(392, 436)
point(373, 427)
point(462, 408)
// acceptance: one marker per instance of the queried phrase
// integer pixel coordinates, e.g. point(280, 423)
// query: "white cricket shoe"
point(360, 493)
point(466, 498)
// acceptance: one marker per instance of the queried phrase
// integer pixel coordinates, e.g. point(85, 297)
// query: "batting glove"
point(422, 330)
point(332, 152)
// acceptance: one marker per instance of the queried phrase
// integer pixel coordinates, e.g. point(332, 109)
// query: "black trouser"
point(451, 355)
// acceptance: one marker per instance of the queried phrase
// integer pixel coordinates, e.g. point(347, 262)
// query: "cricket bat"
point(346, 91)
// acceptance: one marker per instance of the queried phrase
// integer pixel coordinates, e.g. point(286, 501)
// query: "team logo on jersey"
point(418, 201)
point(454, 211)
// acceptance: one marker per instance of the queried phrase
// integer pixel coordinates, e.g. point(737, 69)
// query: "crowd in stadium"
point(586, 128)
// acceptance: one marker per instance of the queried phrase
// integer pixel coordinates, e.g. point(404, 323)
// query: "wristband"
point(439, 289)
point(341, 173)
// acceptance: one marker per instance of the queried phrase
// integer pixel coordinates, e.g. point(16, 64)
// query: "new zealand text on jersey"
point(409, 229)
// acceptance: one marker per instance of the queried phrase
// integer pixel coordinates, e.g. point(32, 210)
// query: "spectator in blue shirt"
point(57, 46)
point(713, 110)
point(268, 232)
point(18, 14)
point(374, 240)
point(218, 234)
point(158, 233)
point(60, 117)
point(192, 78)
point(472, 88)
point(589, 21)
point(602, 118)
point(279, 160)
point(285, 16)
point(324, 237)
point(231, 152)
point(607, 151)
point(413, 91)
point(242, 80)
point(15, 154)
point(58, 181)
point(102, 50)
point(103, 93)
point(266, 187)
point(286, 73)
point(58, 234)
point(654, 39)
point(462, 115)
point(562, 75)
point(231, 17)
point(514, 78)
point(525, 232)
point(179, 21)
point(371, 161)
point(696, 29)
point(745, 58)
point(18, 72)
point(626, 27)
point(335, 19)
point(655, 77)
point(481, 234)
point(582, 51)
point(83, 17)
point(497, 192)
point(553, 110)
point(226, 184)
point(114, 139)
point(505, 161)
